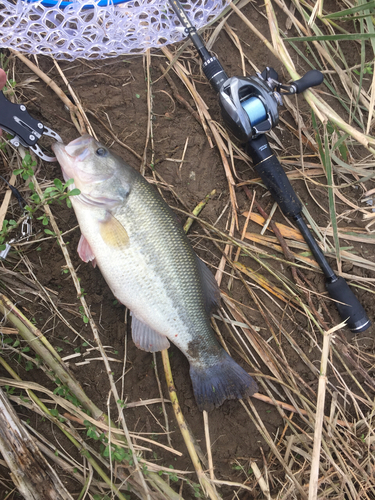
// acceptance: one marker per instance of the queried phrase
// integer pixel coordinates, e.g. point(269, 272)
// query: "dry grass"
point(325, 449)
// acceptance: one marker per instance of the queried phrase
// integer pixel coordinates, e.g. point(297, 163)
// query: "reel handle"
point(311, 79)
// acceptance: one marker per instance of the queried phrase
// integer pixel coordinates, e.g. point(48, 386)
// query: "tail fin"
point(214, 384)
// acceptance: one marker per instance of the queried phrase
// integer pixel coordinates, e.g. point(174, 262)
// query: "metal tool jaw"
point(26, 225)
point(25, 233)
point(27, 131)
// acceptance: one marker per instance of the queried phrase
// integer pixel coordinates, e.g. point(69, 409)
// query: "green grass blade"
point(335, 38)
point(326, 160)
point(322, 156)
point(370, 24)
point(327, 22)
point(349, 12)
point(310, 50)
point(340, 144)
point(363, 53)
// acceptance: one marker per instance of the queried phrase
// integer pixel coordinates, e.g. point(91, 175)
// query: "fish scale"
point(147, 261)
point(180, 285)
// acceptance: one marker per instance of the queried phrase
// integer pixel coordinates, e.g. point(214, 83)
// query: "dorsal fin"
point(211, 290)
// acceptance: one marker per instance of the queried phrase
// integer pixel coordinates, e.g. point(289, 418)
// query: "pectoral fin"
point(113, 232)
point(147, 339)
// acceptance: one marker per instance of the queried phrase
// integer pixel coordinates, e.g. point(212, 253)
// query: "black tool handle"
point(15, 119)
point(348, 305)
point(311, 79)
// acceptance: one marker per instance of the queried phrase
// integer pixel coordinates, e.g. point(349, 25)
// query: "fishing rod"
point(249, 107)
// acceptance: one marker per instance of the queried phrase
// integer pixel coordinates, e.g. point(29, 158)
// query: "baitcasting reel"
point(249, 104)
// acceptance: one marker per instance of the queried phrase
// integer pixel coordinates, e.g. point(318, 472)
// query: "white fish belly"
point(135, 280)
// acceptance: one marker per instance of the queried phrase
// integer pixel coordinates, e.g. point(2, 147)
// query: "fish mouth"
point(79, 148)
point(71, 158)
point(62, 157)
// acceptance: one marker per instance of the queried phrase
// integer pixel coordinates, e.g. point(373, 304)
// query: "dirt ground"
point(115, 91)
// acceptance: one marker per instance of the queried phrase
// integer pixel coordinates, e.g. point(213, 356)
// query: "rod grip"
point(277, 182)
point(348, 305)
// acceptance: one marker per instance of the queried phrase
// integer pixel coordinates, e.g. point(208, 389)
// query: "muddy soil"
point(114, 91)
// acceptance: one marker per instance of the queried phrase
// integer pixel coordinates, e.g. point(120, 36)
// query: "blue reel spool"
point(101, 3)
point(255, 110)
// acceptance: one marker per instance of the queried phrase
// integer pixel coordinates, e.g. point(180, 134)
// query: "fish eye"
point(101, 152)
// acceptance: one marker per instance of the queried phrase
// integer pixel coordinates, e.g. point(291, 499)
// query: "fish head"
point(102, 177)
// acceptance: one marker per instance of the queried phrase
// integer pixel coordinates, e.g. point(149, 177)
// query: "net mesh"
point(84, 29)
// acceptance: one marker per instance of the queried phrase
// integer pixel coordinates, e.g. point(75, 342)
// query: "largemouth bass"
point(150, 266)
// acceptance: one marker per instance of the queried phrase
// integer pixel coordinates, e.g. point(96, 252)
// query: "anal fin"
point(147, 339)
